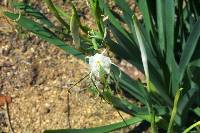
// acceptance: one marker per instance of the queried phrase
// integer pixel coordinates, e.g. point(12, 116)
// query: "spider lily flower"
point(99, 62)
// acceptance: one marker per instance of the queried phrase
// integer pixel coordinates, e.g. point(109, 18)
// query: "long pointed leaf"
point(56, 13)
point(32, 12)
point(103, 129)
point(112, 18)
point(74, 28)
point(187, 53)
point(44, 33)
point(160, 22)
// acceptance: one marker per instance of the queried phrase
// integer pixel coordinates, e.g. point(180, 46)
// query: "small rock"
point(46, 109)
point(64, 108)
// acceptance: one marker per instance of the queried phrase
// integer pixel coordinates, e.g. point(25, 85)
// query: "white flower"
point(98, 62)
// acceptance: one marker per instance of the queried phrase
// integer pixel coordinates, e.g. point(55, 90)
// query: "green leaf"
point(169, 15)
point(190, 46)
point(127, 45)
point(197, 111)
point(134, 88)
point(132, 54)
point(127, 12)
point(169, 8)
point(29, 10)
point(184, 105)
point(142, 51)
point(94, 4)
point(56, 13)
point(187, 53)
point(193, 72)
point(125, 106)
point(149, 68)
point(74, 27)
point(161, 24)
point(45, 34)
point(62, 13)
point(148, 28)
point(146, 12)
point(131, 108)
point(103, 129)
point(112, 18)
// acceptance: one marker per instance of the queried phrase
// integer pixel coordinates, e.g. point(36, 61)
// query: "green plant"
point(164, 45)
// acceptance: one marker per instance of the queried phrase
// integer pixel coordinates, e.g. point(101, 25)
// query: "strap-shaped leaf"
point(194, 78)
point(131, 53)
point(161, 24)
point(187, 54)
point(127, 12)
point(62, 13)
point(56, 13)
point(94, 4)
point(190, 46)
point(184, 105)
point(131, 108)
point(44, 33)
point(103, 129)
point(74, 28)
point(104, 7)
point(29, 10)
point(148, 67)
point(133, 87)
point(124, 105)
point(147, 17)
point(190, 96)
point(169, 12)
point(197, 111)
point(124, 42)
point(142, 51)
point(194, 8)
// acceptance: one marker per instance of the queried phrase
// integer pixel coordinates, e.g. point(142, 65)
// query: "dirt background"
point(37, 76)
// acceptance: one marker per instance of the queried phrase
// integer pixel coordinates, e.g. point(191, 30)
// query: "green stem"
point(56, 14)
point(153, 126)
point(152, 114)
point(174, 110)
point(192, 126)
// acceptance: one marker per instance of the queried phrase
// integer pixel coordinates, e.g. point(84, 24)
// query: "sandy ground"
point(38, 80)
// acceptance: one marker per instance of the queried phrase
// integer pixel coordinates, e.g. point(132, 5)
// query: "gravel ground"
point(38, 80)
